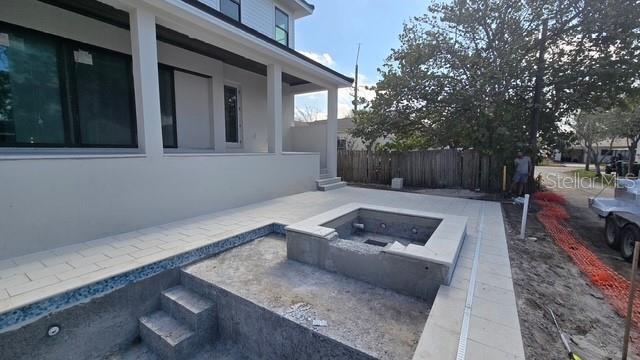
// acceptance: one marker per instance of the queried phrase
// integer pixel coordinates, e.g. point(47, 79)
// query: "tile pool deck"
point(492, 322)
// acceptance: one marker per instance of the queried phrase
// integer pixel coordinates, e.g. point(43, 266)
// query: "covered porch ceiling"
point(120, 18)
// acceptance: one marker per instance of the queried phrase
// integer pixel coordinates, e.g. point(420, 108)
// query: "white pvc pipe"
point(525, 213)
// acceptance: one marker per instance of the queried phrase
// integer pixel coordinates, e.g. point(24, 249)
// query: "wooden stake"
point(504, 178)
point(632, 293)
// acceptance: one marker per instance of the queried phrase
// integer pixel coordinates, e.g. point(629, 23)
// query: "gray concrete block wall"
point(263, 334)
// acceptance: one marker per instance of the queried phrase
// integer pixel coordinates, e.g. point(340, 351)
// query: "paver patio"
point(493, 325)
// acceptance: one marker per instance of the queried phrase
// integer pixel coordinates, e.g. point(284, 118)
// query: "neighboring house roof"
point(618, 143)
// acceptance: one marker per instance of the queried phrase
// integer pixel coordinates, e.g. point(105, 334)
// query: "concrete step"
point(167, 337)
point(324, 173)
point(333, 186)
point(328, 181)
point(197, 312)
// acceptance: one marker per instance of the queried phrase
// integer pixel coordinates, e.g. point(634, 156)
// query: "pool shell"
point(422, 257)
point(384, 227)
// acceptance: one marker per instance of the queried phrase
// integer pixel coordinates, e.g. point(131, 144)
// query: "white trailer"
point(622, 216)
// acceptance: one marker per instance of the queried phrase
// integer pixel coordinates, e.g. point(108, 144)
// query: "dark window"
point(104, 102)
point(168, 107)
point(30, 90)
point(56, 92)
point(231, 114)
point(282, 27)
point(230, 8)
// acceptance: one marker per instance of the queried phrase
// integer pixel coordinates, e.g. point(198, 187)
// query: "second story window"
point(282, 27)
point(230, 8)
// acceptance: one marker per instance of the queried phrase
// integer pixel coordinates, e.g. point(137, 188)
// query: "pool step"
point(190, 308)
point(167, 337)
point(330, 183)
point(186, 322)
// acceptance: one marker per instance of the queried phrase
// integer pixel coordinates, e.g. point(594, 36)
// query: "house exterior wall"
point(253, 87)
point(312, 138)
point(193, 109)
point(49, 203)
point(56, 198)
point(260, 15)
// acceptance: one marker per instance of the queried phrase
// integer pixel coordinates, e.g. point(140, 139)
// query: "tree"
point(592, 129)
point(307, 114)
point(627, 124)
point(464, 74)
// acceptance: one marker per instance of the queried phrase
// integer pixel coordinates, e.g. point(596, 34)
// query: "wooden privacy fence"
point(450, 168)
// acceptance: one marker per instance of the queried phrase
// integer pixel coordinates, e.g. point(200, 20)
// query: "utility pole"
point(537, 104)
point(355, 89)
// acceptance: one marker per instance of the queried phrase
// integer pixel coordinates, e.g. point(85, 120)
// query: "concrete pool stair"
point(185, 323)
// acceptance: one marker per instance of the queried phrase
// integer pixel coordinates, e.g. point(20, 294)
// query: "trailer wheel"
point(628, 236)
point(611, 233)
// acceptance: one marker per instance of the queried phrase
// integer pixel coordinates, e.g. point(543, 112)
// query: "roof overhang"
point(202, 23)
point(300, 8)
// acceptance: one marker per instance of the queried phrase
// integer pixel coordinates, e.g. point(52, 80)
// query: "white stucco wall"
point(193, 109)
point(312, 138)
point(51, 203)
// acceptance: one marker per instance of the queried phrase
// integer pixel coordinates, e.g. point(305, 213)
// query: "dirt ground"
point(544, 276)
point(583, 221)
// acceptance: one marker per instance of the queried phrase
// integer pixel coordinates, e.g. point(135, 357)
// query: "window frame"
point(237, 2)
point(239, 125)
point(68, 92)
point(171, 70)
point(276, 27)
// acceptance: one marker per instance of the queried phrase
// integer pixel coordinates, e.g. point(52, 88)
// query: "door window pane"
point(104, 98)
point(231, 114)
point(167, 107)
point(231, 8)
point(30, 94)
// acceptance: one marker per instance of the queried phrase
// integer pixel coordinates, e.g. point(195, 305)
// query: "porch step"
point(191, 309)
point(332, 186)
point(186, 322)
point(324, 173)
point(328, 181)
point(168, 338)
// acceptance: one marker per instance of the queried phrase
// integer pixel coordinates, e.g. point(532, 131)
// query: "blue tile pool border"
point(31, 312)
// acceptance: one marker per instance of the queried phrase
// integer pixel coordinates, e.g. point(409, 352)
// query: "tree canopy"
point(464, 74)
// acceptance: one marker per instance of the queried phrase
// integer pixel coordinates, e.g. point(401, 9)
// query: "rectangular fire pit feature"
point(408, 251)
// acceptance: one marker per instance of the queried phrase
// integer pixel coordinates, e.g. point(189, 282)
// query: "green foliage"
point(463, 76)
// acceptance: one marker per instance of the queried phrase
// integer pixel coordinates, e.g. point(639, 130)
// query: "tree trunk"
point(596, 163)
point(632, 153)
point(538, 93)
point(587, 162)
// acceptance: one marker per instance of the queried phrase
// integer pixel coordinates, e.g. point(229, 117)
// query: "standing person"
point(522, 169)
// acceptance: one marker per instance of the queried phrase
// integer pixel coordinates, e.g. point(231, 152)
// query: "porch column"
point(219, 123)
point(145, 79)
point(332, 131)
point(274, 107)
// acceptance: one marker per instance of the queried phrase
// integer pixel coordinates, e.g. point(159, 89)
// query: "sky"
point(331, 36)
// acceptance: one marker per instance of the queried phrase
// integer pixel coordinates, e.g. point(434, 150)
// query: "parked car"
point(621, 167)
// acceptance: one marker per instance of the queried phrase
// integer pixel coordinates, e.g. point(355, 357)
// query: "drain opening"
point(375, 243)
